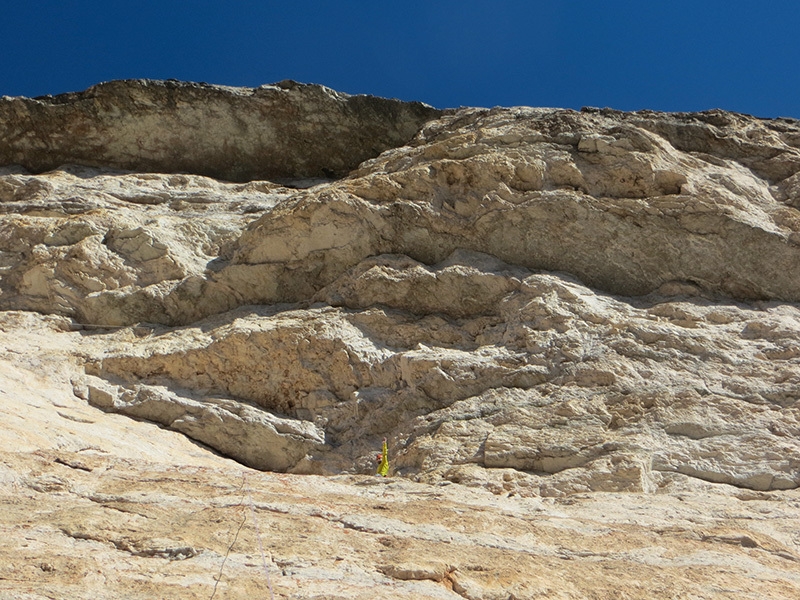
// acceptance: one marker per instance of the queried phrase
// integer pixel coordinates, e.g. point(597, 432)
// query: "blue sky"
point(663, 55)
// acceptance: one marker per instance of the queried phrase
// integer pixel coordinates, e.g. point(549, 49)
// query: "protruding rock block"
point(283, 131)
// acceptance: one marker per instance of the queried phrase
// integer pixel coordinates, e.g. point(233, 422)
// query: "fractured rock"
point(578, 331)
point(283, 131)
point(545, 388)
point(629, 221)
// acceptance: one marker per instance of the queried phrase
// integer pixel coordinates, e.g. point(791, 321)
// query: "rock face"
point(578, 331)
point(285, 131)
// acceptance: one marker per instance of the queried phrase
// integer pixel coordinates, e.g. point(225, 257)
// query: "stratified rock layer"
point(287, 130)
point(545, 385)
point(588, 318)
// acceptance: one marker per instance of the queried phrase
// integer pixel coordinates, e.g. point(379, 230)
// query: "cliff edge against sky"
point(578, 331)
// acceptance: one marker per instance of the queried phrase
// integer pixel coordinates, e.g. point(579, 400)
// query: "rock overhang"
point(283, 131)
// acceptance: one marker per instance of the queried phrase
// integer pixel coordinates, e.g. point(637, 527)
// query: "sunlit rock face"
point(594, 310)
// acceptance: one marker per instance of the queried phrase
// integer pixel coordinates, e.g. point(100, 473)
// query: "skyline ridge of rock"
point(285, 130)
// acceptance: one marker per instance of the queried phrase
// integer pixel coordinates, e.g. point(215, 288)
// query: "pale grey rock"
point(115, 236)
point(552, 390)
point(626, 222)
point(256, 438)
point(515, 184)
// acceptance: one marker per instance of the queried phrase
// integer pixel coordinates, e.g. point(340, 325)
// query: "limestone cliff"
point(285, 131)
point(568, 325)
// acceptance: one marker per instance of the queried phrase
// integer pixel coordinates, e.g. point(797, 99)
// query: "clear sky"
point(676, 55)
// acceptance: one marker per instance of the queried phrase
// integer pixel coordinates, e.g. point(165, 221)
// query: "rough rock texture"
point(72, 237)
point(578, 331)
point(286, 130)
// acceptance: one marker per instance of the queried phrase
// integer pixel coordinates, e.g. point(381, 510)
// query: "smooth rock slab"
point(252, 436)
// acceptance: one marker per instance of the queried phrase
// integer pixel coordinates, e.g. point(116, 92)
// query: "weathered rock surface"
point(548, 386)
point(578, 331)
point(533, 187)
point(73, 237)
point(287, 130)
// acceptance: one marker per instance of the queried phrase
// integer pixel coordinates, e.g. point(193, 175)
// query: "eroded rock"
point(545, 388)
point(284, 131)
point(578, 331)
